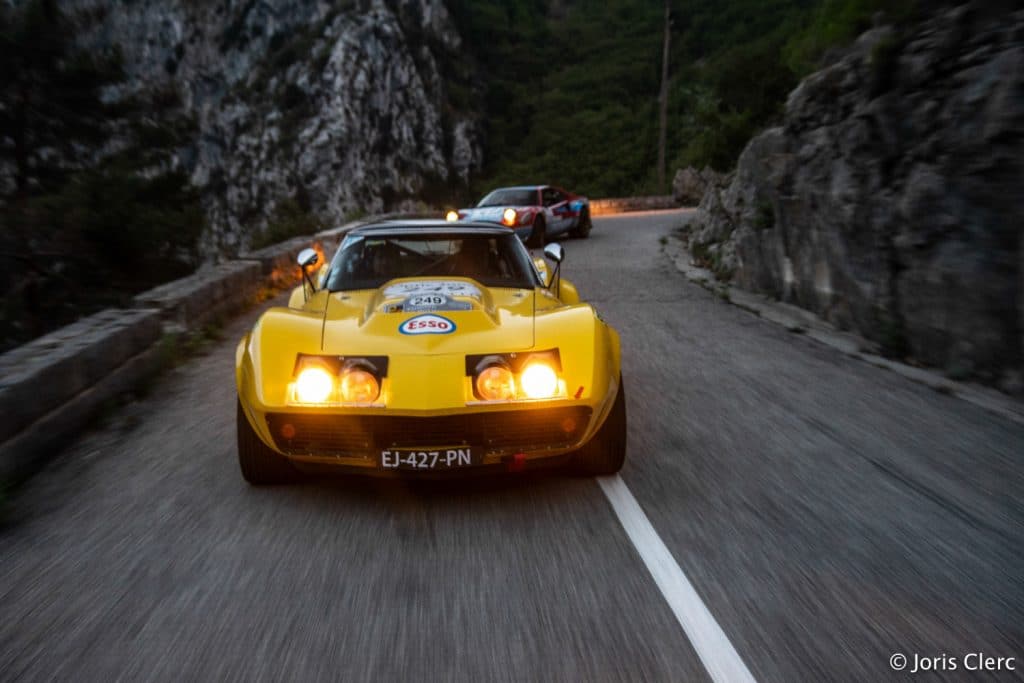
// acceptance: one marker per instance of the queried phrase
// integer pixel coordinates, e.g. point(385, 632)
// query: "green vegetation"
point(94, 208)
point(172, 350)
point(80, 230)
point(4, 500)
point(765, 217)
point(571, 88)
point(708, 256)
point(568, 95)
point(289, 219)
point(891, 335)
point(178, 348)
point(883, 62)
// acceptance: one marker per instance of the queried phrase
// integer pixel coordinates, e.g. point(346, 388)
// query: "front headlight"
point(496, 383)
point(314, 385)
point(359, 386)
point(508, 217)
point(333, 380)
point(538, 380)
point(516, 376)
point(452, 216)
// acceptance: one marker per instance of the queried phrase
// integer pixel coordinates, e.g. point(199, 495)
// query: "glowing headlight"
point(451, 216)
point(508, 217)
point(496, 384)
point(538, 380)
point(359, 386)
point(314, 385)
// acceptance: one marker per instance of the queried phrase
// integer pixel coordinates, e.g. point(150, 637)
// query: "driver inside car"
point(474, 259)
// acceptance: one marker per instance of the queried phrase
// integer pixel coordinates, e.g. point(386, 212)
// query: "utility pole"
point(663, 116)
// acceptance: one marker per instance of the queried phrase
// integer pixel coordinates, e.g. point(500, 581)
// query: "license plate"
point(425, 459)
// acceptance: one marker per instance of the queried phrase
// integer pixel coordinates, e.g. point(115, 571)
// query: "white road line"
point(713, 647)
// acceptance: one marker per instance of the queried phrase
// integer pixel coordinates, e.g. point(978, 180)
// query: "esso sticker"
point(427, 324)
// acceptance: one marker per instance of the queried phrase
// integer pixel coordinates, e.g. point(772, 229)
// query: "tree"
point(663, 99)
point(50, 109)
point(80, 228)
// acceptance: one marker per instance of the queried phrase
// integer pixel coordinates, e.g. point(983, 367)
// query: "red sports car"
point(535, 212)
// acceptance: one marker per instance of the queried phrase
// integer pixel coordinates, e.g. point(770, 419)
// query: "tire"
point(259, 464)
point(582, 229)
point(539, 234)
point(606, 451)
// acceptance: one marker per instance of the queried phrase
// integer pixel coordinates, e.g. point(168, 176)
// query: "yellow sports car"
point(425, 348)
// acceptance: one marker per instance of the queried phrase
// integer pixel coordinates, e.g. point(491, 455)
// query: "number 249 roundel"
point(427, 324)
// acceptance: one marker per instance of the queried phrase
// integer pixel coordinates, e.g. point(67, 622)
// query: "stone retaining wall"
point(52, 386)
point(604, 207)
point(209, 293)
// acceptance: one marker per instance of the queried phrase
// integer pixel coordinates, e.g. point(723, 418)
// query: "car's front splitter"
point(507, 465)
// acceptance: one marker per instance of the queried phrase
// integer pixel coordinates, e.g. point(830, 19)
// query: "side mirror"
point(554, 252)
point(307, 257)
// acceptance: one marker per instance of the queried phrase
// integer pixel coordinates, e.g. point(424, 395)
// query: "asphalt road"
point(829, 514)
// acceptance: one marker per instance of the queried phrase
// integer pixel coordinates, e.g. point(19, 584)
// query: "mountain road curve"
point(827, 514)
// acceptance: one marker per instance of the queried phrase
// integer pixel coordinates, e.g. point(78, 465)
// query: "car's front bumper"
point(318, 467)
point(510, 439)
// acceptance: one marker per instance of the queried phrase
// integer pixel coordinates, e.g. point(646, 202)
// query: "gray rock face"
point(890, 199)
point(689, 184)
point(341, 106)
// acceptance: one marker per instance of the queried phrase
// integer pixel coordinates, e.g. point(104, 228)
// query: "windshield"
point(368, 261)
point(510, 198)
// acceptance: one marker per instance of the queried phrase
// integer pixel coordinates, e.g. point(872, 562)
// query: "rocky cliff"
point(890, 199)
point(340, 107)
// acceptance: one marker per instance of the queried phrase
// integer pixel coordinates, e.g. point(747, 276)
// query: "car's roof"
point(519, 187)
point(429, 226)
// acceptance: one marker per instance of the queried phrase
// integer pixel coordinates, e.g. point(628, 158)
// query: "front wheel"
point(539, 234)
point(259, 464)
point(583, 226)
point(606, 451)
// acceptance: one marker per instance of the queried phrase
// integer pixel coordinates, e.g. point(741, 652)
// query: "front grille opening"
point(363, 435)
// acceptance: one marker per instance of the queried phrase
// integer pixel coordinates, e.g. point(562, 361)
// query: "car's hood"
point(429, 316)
point(490, 213)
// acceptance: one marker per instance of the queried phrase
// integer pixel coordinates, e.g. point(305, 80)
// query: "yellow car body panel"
point(427, 373)
point(567, 292)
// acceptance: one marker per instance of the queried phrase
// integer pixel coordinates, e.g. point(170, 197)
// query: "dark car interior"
point(367, 262)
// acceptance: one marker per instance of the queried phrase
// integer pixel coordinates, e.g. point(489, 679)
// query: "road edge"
point(800, 321)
